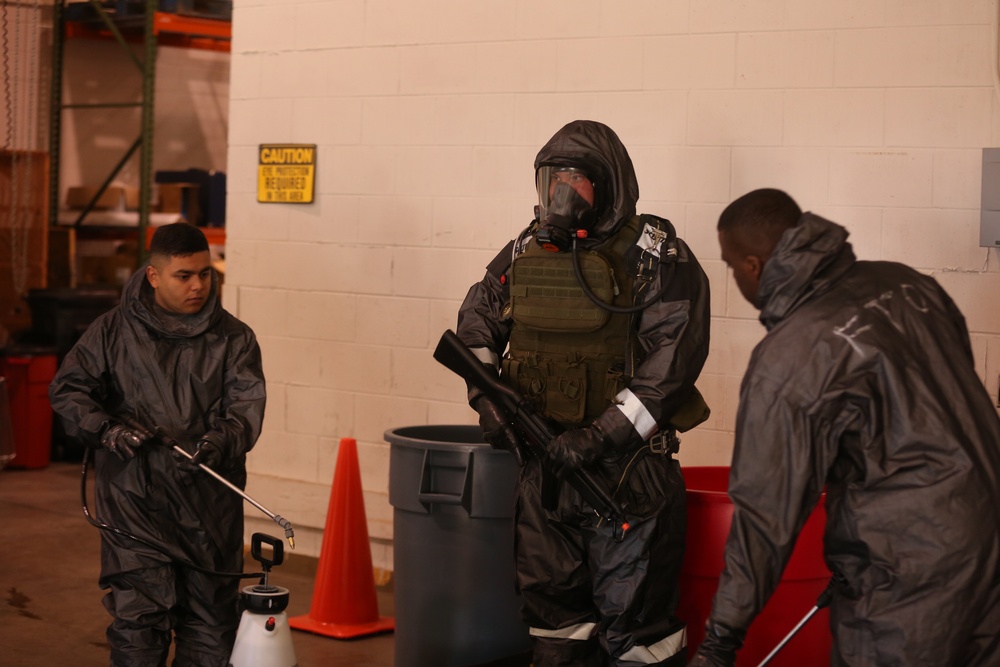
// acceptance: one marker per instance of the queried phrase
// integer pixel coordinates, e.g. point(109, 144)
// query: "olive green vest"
point(566, 354)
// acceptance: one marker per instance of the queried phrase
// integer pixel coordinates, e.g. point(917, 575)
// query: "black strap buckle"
point(665, 442)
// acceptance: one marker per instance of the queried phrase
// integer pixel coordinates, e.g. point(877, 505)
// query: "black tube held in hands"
point(533, 429)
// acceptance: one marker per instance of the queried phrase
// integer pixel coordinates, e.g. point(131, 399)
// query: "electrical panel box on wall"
point(989, 215)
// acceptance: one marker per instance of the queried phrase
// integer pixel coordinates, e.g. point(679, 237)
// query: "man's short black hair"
point(178, 239)
point(759, 218)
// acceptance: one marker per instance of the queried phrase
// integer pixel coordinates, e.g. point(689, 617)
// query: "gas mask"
point(562, 213)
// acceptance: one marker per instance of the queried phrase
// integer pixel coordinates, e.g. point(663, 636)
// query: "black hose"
point(152, 545)
point(611, 308)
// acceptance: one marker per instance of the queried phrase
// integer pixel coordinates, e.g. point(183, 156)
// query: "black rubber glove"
point(123, 440)
point(207, 454)
point(496, 429)
point(718, 648)
point(577, 448)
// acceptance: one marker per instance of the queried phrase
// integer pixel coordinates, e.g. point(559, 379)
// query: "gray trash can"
point(453, 502)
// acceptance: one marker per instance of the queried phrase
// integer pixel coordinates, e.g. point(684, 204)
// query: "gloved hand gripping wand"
point(534, 430)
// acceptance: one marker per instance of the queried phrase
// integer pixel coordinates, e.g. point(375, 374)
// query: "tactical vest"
point(569, 356)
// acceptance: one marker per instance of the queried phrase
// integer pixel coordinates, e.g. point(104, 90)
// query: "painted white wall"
point(427, 116)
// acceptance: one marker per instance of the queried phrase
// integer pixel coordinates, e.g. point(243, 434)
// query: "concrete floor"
point(49, 565)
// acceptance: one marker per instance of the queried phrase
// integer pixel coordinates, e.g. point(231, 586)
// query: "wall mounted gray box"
point(989, 215)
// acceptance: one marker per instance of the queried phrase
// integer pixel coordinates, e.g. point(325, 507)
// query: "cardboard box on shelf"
point(105, 263)
point(114, 197)
point(179, 198)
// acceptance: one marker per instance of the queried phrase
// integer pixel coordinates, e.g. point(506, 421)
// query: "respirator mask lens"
point(562, 209)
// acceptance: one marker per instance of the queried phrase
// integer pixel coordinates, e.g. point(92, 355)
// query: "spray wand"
point(824, 600)
point(281, 521)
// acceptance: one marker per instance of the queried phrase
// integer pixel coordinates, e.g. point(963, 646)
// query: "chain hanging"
point(29, 212)
point(15, 82)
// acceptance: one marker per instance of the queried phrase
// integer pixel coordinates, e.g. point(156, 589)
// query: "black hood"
point(595, 148)
point(807, 260)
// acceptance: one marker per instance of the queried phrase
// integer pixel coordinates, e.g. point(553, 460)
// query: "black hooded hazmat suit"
point(196, 377)
point(865, 383)
point(581, 589)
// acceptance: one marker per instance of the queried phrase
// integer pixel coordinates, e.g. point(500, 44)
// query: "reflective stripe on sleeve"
point(636, 412)
point(579, 632)
point(658, 652)
point(486, 355)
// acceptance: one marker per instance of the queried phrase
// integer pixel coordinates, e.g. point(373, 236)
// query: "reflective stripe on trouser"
point(580, 632)
point(571, 572)
point(662, 650)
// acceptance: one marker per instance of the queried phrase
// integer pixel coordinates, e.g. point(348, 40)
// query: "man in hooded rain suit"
point(614, 371)
point(168, 357)
point(864, 384)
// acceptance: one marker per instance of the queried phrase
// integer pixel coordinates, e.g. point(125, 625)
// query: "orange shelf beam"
point(191, 26)
point(169, 29)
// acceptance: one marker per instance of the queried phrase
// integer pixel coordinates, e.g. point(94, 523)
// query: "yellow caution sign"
point(286, 173)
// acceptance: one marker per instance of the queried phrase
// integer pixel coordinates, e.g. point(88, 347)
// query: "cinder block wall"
point(427, 116)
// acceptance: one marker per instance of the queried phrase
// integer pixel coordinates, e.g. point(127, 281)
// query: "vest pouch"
point(546, 296)
point(557, 388)
point(614, 382)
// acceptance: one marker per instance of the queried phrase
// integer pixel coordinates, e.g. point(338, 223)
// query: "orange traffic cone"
point(344, 603)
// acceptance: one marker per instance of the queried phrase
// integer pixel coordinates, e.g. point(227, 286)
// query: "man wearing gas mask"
point(600, 317)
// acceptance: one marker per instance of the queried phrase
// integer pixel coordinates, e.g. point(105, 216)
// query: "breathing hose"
point(611, 308)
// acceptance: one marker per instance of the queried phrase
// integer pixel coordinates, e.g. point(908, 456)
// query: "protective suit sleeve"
point(577, 448)
point(238, 425)
point(481, 325)
point(82, 386)
point(674, 338)
point(718, 648)
point(957, 319)
point(779, 466)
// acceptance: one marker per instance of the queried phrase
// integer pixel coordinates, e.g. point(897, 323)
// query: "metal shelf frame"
point(150, 28)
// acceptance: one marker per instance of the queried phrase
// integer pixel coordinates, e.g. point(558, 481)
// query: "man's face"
point(182, 282)
point(746, 268)
point(576, 180)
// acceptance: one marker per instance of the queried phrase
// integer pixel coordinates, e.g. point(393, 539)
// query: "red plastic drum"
point(709, 513)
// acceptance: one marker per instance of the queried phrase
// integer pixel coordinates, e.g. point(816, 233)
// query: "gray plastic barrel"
point(453, 502)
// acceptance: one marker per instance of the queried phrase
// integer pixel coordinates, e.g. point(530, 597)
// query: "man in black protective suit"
point(864, 383)
point(168, 357)
point(614, 371)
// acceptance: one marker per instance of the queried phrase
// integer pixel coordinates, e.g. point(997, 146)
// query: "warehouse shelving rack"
point(203, 25)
